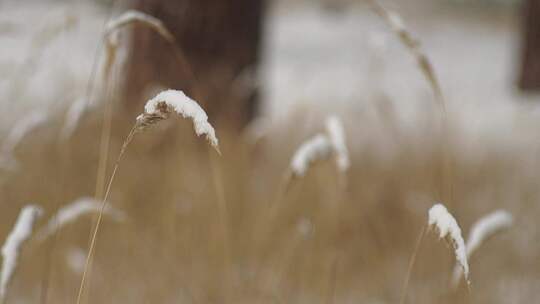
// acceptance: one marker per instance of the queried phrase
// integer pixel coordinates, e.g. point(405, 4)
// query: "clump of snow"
point(176, 101)
point(132, 16)
point(336, 134)
point(448, 227)
point(71, 212)
point(481, 230)
point(12, 246)
point(315, 149)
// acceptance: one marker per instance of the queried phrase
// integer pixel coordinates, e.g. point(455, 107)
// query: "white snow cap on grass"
point(12, 246)
point(176, 101)
point(448, 227)
point(71, 212)
point(486, 227)
point(314, 149)
point(336, 134)
point(132, 16)
point(482, 229)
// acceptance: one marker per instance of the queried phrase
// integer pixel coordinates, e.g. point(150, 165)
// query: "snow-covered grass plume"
point(448, 227)
point(486, 227)
point(481, 230)
point(12, 246)
point(169, 101)
point(71, 212)
point(336, 134)
point(134, 16)
point(314, 149)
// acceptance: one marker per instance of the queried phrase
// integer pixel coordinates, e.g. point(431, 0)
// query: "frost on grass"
point(336, 134)
point(12, 246)
point(70, 213)
point(315, 149)
point(481, 230)
point(448, 228)
point(17, 134)
point(134, 16)
point(173, 101)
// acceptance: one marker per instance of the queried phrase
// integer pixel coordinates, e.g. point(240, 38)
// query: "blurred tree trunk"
point(219, 40)
point(530, 69)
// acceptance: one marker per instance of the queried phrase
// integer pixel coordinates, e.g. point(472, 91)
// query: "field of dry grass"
point(324, 243)
point(204, 228)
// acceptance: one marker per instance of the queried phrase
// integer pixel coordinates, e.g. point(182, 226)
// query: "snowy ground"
point(316, 56)
point(312, 56)
point(46, 52)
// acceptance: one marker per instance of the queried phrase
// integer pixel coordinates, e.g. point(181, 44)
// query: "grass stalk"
point(410, 268)
point(65, 153)
point(332, 281)
point(446, 189)
point(223, 214)
point(95, 231)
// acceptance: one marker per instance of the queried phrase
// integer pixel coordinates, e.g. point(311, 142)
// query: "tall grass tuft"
point(157, 109)
point(12, 246)
point(134, 16)
point(446, 224)
point(172, 101)
point(313, 150)
point(484, 228)
point(71, 212)
point(336, 134)
point(397, 25)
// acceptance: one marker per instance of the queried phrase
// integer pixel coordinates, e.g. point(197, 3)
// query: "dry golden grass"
point(223, 230)
point(323, 245)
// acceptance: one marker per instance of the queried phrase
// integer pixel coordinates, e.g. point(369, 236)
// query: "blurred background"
point(203, 228)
